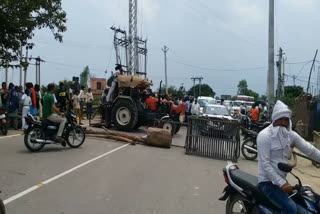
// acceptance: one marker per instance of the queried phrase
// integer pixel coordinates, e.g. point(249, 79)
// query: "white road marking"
point(31, 189)
point(14, 135)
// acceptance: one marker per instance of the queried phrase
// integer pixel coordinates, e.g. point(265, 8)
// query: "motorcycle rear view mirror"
point(284, 167)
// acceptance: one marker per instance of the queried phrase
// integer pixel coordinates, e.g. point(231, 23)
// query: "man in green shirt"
point(51, 112)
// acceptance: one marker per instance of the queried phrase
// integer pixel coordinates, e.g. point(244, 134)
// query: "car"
point(204, 101)
point(228, 104)
point(218, 125)
point(217, 111)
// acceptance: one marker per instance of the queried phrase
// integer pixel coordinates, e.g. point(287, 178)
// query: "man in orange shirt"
point(151, 102)
point(254, 113)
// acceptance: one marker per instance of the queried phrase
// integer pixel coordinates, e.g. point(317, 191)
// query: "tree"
point(290, 94)
point(67, 84)
point(251, 93)
point(20, 18)
point(206, 90)
point(172, 90)
point(242, 87)
point(84, 77)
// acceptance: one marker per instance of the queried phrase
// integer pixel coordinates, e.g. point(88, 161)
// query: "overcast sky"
point(223, 36)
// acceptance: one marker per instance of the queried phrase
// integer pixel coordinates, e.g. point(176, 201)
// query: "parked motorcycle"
point(3, 122)
point(249, 145)
point(243, 195)
point(41, 133)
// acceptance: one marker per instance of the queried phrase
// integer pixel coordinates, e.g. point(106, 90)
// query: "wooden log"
point(113, 137)
point(125, 135)
point(158, 137)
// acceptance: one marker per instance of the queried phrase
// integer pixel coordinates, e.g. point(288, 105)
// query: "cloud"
point(305, 5)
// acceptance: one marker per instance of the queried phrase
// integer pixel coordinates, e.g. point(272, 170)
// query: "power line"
point(295, 63)
point(215, 69)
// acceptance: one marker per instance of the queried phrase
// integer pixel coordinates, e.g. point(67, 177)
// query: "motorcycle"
point(41, 133)
point(249, 145)
point(3, 122)
point(243, 195)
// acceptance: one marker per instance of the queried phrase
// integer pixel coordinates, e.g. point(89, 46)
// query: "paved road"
point(132, 179)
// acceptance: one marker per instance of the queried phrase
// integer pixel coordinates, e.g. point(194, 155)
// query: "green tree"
point(85, 76)
point(290, 94)
point(67, 84)
point(242, 87)
point(206, 90)
point(251, 93)
point(172, 90)
point(20, 18)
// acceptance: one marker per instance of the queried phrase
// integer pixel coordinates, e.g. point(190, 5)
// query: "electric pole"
point(318, 81)
point(133, 39)
point(6, 74)
point(165, 49)
point(270, 83)
point(194, 84)
point(280, 77)
point(314, 59)
point(21, 65)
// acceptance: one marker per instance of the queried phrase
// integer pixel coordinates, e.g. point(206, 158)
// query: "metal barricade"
point(214, 138)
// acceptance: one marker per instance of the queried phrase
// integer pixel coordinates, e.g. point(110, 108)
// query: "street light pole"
point(165, 49)
point(270, 83)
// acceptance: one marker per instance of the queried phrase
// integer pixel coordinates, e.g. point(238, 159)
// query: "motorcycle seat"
point(50, 123)
point(250, 184)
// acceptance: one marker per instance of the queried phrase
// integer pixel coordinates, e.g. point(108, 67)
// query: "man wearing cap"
point(114, 83)
point(275, 145)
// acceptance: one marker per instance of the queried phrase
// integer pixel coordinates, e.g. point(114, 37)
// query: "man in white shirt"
point(275, 145)
point(195, 108)
point(119, 71)
point(89, 100)
point(82, 98)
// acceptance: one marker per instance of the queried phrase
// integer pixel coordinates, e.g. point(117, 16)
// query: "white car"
point(204, 101)
point(217, 111)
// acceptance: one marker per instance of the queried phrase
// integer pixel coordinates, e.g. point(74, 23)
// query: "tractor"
point(129, 110)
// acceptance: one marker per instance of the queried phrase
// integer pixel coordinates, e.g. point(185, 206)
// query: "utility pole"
point(6, 74)
point(318, 81)
point(194, 84)
point(270, 83)
point(21, 65)
point(280, 68)
point(133, 39)
point(294, 77)
point(38, 61)
point(314, 59)
point(165, 49)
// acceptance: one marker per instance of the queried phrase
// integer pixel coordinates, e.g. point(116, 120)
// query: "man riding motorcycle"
point(275, 145)
point(52, 113)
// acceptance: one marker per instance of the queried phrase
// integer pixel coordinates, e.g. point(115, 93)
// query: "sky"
point(222, 41)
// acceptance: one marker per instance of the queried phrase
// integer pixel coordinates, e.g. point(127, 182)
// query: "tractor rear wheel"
point(125, 115)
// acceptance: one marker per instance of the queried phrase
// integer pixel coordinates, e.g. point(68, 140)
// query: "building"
point(97, 86)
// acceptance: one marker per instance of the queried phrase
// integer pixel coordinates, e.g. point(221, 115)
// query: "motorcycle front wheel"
point(248, 154)
point(4, 129)
point(34, 133)
point(75, 137)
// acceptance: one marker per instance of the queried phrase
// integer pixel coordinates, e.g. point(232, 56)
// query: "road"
point(110, 177)
point(132, 179)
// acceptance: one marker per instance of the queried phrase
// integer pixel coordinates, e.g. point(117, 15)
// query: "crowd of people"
point(17, 102)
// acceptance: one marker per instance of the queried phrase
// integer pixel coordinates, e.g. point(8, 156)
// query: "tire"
point(239, 204)
point(70, 138)
point(167, 123)
point(2, 208)
point(4, 129)
point(124, 115)
point(33, 133)
point(249, 155)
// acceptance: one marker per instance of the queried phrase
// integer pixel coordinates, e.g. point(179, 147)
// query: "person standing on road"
point(76, 105)
point(62, 97)
point(13, 104)
point(89, 100)
point(52, 113)
point(26, 103)
point(82, 98)
point(4, 96)
point(275, 145)
point(254, 114)
point(195, 108)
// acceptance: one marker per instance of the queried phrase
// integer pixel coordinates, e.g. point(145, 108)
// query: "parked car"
point(228, 104)
point(218, 125)
point(204, 101)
